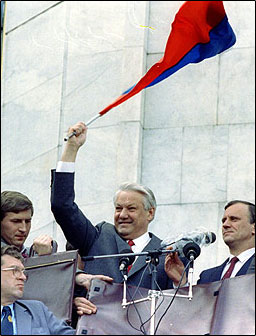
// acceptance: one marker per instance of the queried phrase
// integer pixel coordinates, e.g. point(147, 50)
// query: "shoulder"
point(154, 238)
point(32, 304)
point(106, 227)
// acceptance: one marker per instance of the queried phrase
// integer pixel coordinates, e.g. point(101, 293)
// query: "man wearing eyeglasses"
point(23, 317)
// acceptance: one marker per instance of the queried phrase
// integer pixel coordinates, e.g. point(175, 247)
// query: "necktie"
point(6, 325)
point(24, 254)
point(130, 243)
point(230, 269)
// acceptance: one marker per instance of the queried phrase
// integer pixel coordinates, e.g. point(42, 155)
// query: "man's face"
point(236, 227)
point(131, 219)
point(15, 227)
point(12, 286)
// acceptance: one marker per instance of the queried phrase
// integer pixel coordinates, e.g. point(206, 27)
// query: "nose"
point(23, 226)
point(123, 213)
point(22, 276)
point(226, 223)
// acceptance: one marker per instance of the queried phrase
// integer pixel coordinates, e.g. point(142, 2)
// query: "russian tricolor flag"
point(200, 30)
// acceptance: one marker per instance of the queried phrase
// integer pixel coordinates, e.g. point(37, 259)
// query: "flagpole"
point(87, 124)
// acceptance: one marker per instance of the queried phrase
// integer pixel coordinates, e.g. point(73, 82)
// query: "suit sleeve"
point(78, 230)
point(55, 325)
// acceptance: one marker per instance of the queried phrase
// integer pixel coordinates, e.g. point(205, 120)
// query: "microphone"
point(124, 262)
point(191, 250)
point(196, 237)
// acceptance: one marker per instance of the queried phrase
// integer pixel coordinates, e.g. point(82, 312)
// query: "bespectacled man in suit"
point(23, 317)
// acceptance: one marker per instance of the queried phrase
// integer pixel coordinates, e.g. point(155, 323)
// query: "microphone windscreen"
point(213, 237)
point(131, 257)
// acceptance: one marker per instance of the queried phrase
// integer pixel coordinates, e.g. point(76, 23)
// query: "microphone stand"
point(190, 277)
point(153, 294)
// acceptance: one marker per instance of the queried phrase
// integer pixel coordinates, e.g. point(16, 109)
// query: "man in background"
point(238, 232)
point(23, 317)
point(16, 216)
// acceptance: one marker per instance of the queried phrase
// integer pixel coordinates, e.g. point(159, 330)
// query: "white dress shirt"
point(65, 167)
point(243, 257)
point(140, 243)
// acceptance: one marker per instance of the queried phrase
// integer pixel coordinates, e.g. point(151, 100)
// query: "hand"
point(75, 142)
point(84, 306)
point(174, 268)
point(42, 244)
point(84, 279)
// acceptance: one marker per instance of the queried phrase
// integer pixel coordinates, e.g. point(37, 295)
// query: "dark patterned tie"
point(231, 267)
point(130, 243)
point(6, 325)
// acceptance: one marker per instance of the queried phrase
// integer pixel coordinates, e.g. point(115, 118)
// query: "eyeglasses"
point(17, 271)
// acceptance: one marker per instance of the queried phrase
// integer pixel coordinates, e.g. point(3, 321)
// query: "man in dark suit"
point(135, 207)
point(238, 231)
point(23, 317)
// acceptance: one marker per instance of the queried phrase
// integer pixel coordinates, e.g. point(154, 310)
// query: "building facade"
point(190, 138)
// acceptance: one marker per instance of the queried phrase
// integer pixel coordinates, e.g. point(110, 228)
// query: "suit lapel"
point(23, 318)
point(251, 268)
point(121, 244)
point(153, 244)
point(248, 267)
point(217, 271)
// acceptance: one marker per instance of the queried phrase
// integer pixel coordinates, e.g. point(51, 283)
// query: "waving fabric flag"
point(200, 30)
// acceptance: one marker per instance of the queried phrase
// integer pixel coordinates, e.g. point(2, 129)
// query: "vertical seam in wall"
point(143, 105)
point(181, 162)
point(62, 102)
point(63, 89)
point(227, 156)
point(218, 91)
point(217, 119)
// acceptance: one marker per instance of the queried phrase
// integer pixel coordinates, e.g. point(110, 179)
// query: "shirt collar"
point(142, 240)
point(11, 306)
point(245, 255)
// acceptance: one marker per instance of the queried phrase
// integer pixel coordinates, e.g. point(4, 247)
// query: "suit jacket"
point(34, 318)
point(24, 249)
point(214, 273)
point(29, 250)
point(101, 239)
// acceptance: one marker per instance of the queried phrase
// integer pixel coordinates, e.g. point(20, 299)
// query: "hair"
point(251, 208)
point(14, 201)
point(11, 251)
point(149, 200)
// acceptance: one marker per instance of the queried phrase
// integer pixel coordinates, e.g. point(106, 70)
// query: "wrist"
point(69, 154)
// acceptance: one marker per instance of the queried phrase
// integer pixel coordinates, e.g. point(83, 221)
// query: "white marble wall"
point(191, 138)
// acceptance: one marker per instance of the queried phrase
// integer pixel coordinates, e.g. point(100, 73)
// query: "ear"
point(253, 228)
point(151, 214)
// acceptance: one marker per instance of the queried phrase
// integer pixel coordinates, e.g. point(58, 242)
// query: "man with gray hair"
point(135, 207)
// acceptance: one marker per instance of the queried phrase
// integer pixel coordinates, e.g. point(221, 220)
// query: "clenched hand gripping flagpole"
point(200, 30)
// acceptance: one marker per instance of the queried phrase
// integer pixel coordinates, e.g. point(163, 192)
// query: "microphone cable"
point(134, 304)
point(161, 294)
point(168, 307)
